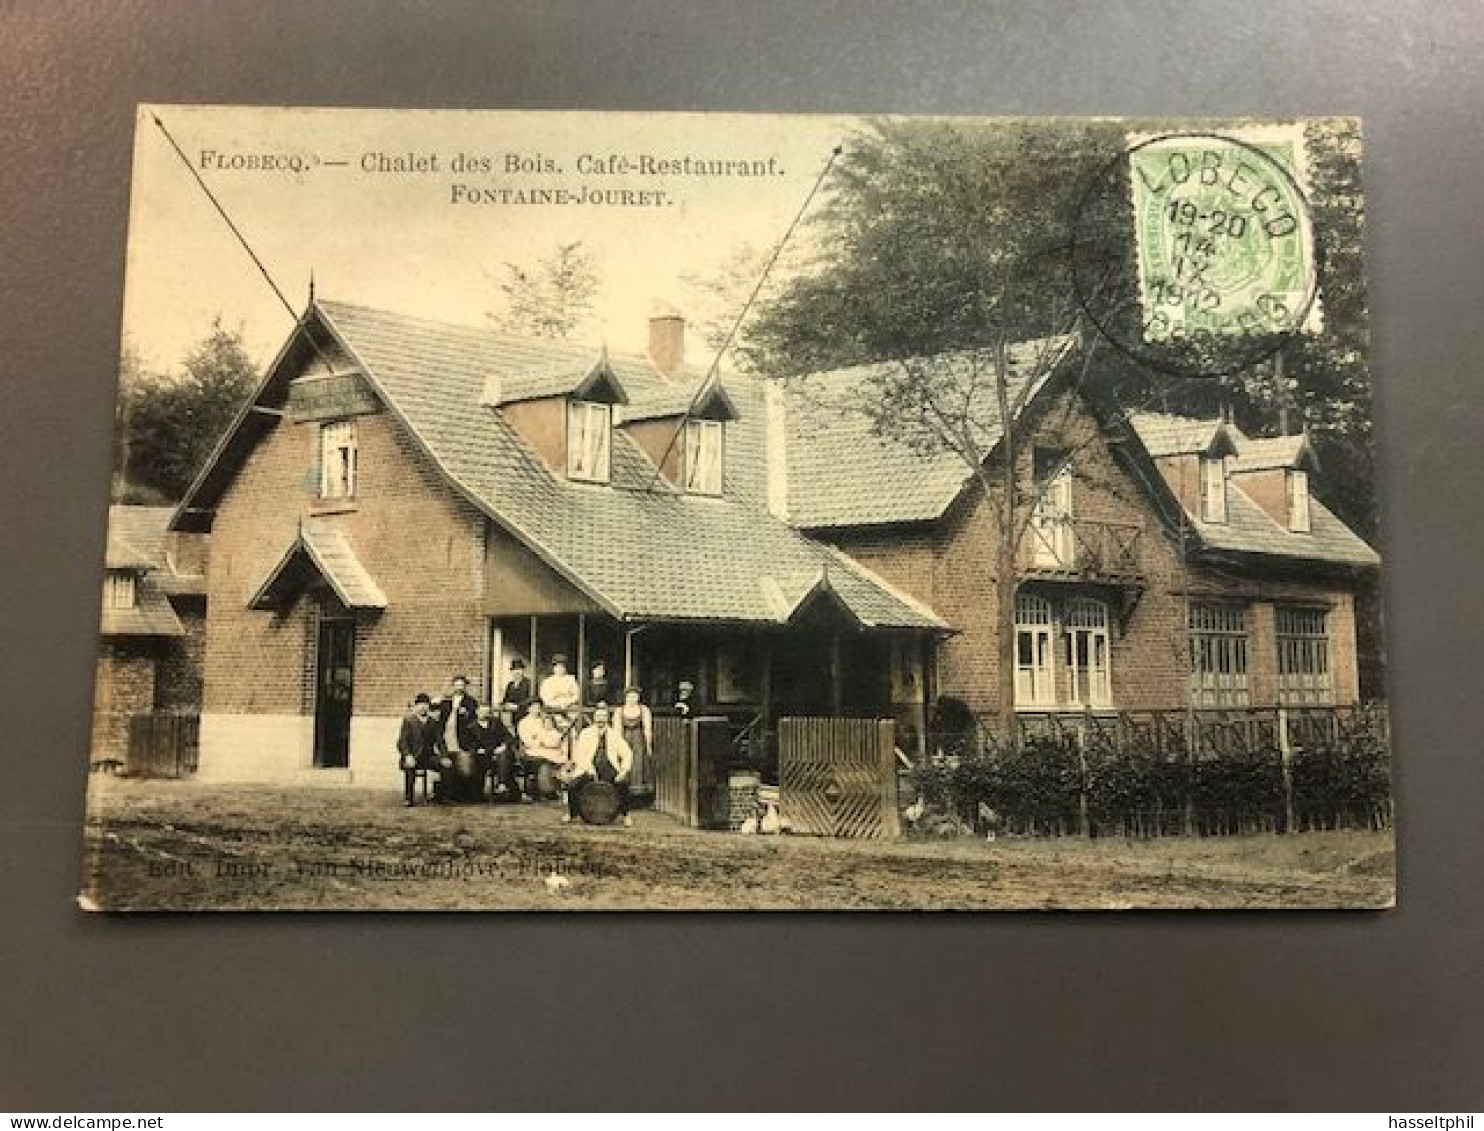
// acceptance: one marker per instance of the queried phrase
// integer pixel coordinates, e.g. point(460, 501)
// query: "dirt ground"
point(182, 845)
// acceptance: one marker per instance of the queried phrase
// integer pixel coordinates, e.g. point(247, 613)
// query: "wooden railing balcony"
point(1082, 549)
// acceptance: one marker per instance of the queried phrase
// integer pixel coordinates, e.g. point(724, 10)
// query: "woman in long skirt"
point(636, 722)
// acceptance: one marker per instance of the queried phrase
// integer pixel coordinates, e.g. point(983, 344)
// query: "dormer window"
point(1298, 501)
point(1213, 489)
point(589, 441)
point(118, 590)
point(337, 459)
point(704, 440)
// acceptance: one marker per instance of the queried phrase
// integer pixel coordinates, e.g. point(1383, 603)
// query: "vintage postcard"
point(522, 510)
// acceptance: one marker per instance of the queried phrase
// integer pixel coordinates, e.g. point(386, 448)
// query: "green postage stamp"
point(1224, 235)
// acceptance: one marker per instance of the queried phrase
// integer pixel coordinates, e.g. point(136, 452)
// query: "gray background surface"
point(748, 1011)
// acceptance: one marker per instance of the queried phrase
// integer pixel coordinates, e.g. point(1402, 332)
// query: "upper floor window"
point(1213, 489)
point(1303, 656)
point(337, 460)
point(1298, 501)
point(703, 456)
point(118, 590)
point(1218, 655)
point(589, 441)
point(1050, 530)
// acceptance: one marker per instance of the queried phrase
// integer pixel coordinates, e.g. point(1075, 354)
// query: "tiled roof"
point(326, 547)
point(1166, 435)
point(1248, 528)
point(136, 537)
point(676, 399)
point(151, 615)
point(640, 553)
point(843, 472)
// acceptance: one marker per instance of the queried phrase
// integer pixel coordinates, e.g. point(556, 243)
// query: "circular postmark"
point(1194, 253)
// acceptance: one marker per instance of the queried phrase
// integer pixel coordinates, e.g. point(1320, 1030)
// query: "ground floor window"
point(1304, 677)
point(1218, 655)
point(1085, 675)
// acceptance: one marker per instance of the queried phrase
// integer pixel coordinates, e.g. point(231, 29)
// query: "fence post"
point(1285, 756)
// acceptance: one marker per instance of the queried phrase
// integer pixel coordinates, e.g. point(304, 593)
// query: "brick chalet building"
point(404, 499)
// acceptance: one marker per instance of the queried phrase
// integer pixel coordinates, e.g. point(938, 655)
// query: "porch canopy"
point(319, 552)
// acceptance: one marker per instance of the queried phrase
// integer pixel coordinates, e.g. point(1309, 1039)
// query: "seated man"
point(417, 742)
point(493, 747)
point(599, 754)
point(542, 741)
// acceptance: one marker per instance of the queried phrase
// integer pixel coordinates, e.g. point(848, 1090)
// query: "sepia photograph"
point(521, 510)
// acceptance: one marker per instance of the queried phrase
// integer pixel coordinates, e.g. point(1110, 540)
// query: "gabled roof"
point(559, 377)
point(136, 542)
point(1248, 529)
point(710, 402)
point(1163, 434)
point(842, 472)
point(639, 553)
point(323, 548)
point(1272, 453)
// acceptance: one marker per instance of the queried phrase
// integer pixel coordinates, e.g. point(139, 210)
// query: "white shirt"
point(560, 692)
point(451, 724)
point(586, 750)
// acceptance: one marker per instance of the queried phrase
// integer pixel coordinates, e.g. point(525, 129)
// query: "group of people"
point(561, 735)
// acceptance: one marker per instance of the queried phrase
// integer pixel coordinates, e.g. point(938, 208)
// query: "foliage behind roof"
point(843, 472)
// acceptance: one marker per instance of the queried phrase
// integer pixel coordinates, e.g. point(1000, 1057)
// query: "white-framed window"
point(589, 441)
point(337, 459)
point(1218, 655)
point(119, 590)
point(1213, 489)
point(1297, 482)
point(1035, 684)
point(1052, 544)
point(1085, 653)
point(704, 452)
point(1304, 677)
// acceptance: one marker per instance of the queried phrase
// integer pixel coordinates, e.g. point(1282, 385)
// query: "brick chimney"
point(667, 343)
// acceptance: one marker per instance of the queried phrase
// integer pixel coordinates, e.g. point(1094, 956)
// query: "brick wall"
point(423, 544)
point(178, 677)
point(952, 566)
point(125, 686)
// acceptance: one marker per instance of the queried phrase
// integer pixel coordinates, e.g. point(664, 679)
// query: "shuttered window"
point(337, 460)
point(704, 456)
point(589, 440)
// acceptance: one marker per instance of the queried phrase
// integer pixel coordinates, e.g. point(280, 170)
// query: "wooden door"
point(334, 684)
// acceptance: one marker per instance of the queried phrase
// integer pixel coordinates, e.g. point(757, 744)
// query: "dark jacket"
point(518, 694)
point(464, 727)
point(487, 737)
point(418, 739)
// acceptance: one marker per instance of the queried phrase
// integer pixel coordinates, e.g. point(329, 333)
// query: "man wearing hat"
point(457, 711)
point(519, 694)
point(417, 742)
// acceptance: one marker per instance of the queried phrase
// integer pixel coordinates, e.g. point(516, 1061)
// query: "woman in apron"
point(636, 723)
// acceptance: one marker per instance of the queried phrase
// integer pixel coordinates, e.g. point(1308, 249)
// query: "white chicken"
point(772, 823)
point(556, 882)
point(915, 811)
point(749, 827)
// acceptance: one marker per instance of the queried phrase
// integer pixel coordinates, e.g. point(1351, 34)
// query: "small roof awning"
point(320, 549)
point(150, 615)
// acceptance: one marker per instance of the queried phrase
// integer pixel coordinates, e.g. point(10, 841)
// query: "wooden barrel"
point(547, 783)
point(598, 803)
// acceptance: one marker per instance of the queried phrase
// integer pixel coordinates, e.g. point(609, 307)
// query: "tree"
point(948, 267)
point(958, 239)
point(551, 299)
point(169, 423)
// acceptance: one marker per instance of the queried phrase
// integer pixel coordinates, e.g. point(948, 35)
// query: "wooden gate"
point(838, 777)
point(691, 758)
point(163, 746)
